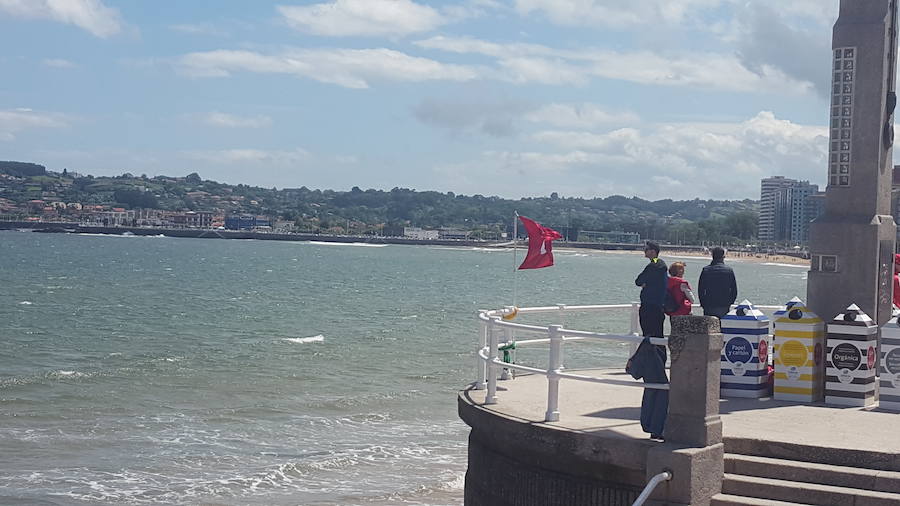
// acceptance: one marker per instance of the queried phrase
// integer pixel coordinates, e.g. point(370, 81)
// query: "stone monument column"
point(852, 244)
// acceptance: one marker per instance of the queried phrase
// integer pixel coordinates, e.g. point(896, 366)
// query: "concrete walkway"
point(615, 410)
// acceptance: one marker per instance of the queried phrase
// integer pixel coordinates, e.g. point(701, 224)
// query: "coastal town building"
point(247, 222)
point(786, 208)
point(768, 194)
point(610, 237)
point(419, 233)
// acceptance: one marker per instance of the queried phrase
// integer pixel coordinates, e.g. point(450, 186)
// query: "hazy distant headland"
point(29, 191)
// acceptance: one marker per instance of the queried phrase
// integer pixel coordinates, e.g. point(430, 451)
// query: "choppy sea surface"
point(153, 370)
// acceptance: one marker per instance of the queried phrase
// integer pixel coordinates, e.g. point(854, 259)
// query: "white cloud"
point(614, 13)
point(351, 68)
point(470, 9)
point(579, 116)
point(362, 18)
point(225, 120)
point(620, 15)
point(671, 160)
point(497, 118)
point(197, 29)
point(59, 63)
point(13, 121)
point(502, 117)
point(250, 156)
point(89, 15)
point(523, 63)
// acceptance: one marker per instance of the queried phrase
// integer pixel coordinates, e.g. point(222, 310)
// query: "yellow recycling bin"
point(799, 355)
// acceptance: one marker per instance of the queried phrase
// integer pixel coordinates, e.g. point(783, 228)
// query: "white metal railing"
point(493, 327)
point(651, 486)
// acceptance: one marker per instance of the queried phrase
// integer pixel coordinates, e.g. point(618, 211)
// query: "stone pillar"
point(852, 244)
point(693, 450)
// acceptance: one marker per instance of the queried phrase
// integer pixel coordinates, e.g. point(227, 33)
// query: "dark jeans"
point(716, 311)
point(652, 318)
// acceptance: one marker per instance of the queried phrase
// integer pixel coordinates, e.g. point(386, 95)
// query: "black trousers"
point(652, 318)
point(718, 311)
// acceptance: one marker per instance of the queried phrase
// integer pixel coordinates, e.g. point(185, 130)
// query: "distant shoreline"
point(668, 250)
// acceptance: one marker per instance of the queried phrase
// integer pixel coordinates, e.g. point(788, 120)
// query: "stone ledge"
point(592, 454)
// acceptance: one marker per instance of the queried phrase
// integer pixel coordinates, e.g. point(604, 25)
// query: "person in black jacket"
point(654, 281)
point(649, 363)
point(717, 287)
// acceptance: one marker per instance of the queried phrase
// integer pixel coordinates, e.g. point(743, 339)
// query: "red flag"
point(540, 247)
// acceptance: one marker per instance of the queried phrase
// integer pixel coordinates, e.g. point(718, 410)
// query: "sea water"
point(142, 370)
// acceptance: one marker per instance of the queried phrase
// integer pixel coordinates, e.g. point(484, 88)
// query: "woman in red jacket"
point(680, 290)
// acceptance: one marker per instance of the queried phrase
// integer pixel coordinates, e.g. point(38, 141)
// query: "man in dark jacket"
point(717, 287)
point(654, 281)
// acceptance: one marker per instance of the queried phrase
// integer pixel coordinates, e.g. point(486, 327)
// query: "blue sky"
point(654, 98)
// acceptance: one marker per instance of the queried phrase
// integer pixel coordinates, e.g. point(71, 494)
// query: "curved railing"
point(494, 329)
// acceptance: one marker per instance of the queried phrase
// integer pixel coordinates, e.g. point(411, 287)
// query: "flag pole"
point(515, 255)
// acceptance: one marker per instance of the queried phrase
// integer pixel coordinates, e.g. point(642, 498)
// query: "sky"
point(658, 99)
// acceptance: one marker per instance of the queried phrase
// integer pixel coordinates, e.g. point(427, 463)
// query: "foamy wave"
point(363, 244)
point(303, 340)
point(774, 264)
point(26, 303)
point(65, 374)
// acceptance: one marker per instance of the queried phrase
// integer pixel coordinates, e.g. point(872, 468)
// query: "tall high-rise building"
point(768, 228)
point(802, 212)
point(787, 207)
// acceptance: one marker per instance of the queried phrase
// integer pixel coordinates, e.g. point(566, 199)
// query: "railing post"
point(562, 349)
point(635, 318)
point(491, 397)
point(480, 365)
point(507, 338)
point(552, 374)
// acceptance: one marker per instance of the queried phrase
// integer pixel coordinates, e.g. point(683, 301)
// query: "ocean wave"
point(319, 338)
point(775, 264)
point(363, 244)
point(447, 489)
point(26, 303)
point(66, 374)
point(137, 368)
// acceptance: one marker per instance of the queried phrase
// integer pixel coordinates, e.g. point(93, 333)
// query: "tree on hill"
point(136, 199)
point(22, 169)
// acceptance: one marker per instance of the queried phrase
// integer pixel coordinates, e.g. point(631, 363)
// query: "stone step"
point(809, 493)
point(739, 500)
point(868, 459)
point(809, 472)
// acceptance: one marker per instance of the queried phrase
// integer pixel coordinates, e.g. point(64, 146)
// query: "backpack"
point(670, 305)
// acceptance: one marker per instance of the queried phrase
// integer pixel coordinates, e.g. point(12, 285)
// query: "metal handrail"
point(651, 486)
point(492, 326)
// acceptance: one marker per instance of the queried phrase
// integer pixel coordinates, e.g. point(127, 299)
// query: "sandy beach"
point(731, 256)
